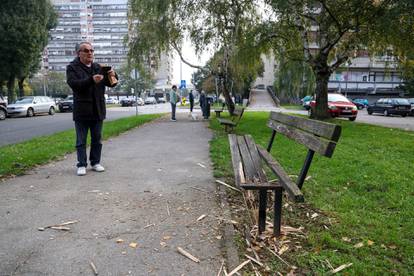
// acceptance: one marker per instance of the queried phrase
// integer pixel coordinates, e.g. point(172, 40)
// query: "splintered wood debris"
point(60, 226)
point(234, 271)
point(95, 271)
point(201, 217)
point(227, 185)
point(340, 268)
point(188, 255)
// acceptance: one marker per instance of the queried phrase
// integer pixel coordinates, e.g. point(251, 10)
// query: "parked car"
point(128, 102)
point(161, 100)
point(150, 100)
point(339, 106)
point(32, 105)
point(111, 101)
point(306, 102)
point(140, 101)
point(360, 103)
point(411, 101)
point(389, 106)
point(66, 104)
point(3, 108)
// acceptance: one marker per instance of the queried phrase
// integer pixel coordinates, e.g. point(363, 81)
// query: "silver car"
point(31, 105)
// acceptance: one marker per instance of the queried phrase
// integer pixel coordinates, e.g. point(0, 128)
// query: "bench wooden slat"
point(255, 157)
point(249, 168)
point(322, 129)
point(291, 188)
point(236, 160)
point(317, 144)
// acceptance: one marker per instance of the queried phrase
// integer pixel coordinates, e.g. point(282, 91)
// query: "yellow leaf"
point(370, 242)
point(119, 241)
point(133, 245)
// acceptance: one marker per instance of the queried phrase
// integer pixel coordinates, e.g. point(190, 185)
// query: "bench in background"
point(230, 124)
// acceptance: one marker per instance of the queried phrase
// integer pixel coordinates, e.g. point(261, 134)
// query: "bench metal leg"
point(262, 210)
point(305, 169)
point(277, 216)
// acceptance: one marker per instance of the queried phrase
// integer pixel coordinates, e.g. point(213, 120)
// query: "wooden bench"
point(249, 160)
point(220, 109)
point(230, 124)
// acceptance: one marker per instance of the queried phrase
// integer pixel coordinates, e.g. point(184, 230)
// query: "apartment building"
point(370, 77)
point(105, 24)
point(101, 22)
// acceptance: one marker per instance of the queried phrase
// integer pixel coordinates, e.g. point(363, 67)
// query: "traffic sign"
point(183, 84)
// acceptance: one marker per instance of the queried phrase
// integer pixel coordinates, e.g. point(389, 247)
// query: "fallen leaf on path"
point(119, 241)
point(133, 245)
point(201, 217)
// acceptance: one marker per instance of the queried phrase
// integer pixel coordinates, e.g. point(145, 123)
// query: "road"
point(15, 130)
point(19, 129)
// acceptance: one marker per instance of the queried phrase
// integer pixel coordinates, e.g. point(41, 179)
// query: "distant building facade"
point(101, 22)
point(105, 24)
point(368, 76)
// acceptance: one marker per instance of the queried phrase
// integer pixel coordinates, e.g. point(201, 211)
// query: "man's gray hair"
point(78, 45)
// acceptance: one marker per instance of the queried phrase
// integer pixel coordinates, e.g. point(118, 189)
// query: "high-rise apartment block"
point(101, 22)
point(104, 23)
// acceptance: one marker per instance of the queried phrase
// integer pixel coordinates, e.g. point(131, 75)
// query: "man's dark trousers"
point(173, 106)
point(82, 127)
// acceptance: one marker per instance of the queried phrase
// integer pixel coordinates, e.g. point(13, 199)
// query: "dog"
point(193, 116)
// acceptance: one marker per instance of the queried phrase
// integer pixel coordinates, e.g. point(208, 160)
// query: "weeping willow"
point(293, 81)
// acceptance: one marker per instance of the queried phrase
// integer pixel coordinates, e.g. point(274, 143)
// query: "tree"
point(325, 34)
point(24, 26)
point(56, 84)
point(219, 24)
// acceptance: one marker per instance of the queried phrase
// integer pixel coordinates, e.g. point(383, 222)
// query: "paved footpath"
point(152, 193)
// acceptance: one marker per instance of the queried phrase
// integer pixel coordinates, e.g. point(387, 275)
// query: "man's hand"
point(97, 78)
point(111, 73)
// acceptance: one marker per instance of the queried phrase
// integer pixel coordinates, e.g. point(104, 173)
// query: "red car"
point(339, 106)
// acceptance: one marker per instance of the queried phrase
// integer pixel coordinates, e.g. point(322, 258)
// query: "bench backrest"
point(317, 136)
point(237, 114)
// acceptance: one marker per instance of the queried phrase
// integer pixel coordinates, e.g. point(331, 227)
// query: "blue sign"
point(183, 85)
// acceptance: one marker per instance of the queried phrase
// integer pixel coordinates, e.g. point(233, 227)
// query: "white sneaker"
point(98, 168)
point(81, 171)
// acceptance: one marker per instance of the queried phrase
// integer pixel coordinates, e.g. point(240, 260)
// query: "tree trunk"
point(10, 89)
point(229, 100)
point(21, 87)
point(322, 73)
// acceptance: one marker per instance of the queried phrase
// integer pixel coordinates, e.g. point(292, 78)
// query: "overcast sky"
point(189, 55)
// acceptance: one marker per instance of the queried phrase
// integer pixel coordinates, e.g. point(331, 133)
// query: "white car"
point(31, 105)
point(150, 100)
point(112, 101)
point(140, 101)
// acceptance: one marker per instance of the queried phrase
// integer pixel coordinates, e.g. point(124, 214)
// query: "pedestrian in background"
point(87, 81)
point(191, 99)
point(174, 97)
point(203, 104)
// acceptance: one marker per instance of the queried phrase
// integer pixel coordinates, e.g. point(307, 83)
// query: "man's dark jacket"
point(88, 97)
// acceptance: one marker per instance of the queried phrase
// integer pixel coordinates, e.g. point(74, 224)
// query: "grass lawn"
point(17, 158)
point(364, 195)
point(292, 106)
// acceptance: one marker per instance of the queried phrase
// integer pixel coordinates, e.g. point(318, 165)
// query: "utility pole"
point(136, 91)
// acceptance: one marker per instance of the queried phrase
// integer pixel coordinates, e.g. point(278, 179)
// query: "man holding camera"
point(88, 80)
